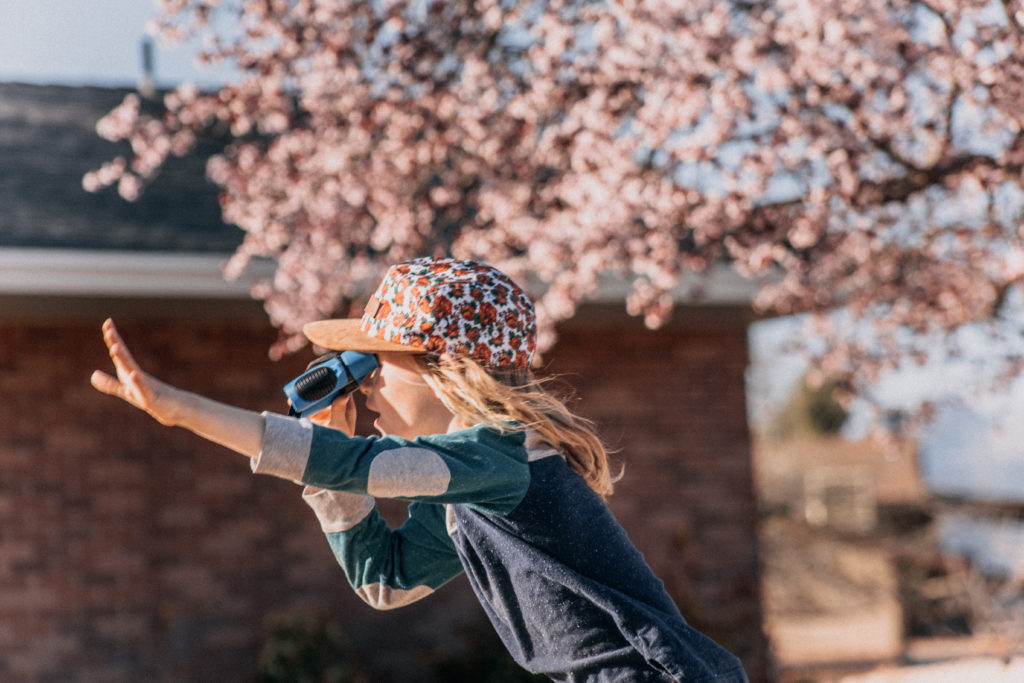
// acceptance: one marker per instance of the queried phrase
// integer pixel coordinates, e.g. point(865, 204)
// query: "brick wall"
point(132, 551)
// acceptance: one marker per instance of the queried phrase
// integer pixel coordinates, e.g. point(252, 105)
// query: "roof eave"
point(103, 273)
point(137, 274)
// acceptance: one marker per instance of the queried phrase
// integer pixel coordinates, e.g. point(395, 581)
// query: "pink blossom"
point(806, 141)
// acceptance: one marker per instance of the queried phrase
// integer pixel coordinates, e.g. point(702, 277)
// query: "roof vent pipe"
point(147, 84)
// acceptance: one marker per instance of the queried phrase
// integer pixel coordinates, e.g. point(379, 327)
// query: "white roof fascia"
point(74, 272)
point(720, 285)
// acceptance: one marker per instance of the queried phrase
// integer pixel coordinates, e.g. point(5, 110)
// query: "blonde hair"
point(514, 401)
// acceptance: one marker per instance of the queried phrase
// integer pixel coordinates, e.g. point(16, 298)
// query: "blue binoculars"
point(327, 378)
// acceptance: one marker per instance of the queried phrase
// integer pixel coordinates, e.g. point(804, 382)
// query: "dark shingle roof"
point(48, 142)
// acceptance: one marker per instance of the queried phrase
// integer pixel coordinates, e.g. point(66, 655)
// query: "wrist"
point(173, 406)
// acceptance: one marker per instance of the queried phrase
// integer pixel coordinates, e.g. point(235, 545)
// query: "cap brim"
point(344, 334)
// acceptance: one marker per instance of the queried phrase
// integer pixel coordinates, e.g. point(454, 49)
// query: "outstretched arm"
point(238, 429)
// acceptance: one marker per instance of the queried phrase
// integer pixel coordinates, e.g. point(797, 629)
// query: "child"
point(506, 483)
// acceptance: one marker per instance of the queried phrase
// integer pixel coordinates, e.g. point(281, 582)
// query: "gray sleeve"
point(286, 445)
point(337, 510)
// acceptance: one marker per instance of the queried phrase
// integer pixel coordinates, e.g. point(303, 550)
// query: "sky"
point(78, 42)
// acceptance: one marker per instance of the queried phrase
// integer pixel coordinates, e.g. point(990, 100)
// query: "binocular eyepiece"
point(326, 379)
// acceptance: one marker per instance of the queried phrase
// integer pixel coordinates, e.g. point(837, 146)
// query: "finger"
point(110, 333)
point(105, 383)
point(350, 417)
point(113, 339)
point(120, 366)
point(321, 417)
point(123, 359)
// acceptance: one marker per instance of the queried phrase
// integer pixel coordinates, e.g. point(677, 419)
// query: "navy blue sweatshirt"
point(568, 593)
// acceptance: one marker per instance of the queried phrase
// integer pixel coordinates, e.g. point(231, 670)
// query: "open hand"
point(131, 383)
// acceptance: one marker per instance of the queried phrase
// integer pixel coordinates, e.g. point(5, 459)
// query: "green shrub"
point(305, 646)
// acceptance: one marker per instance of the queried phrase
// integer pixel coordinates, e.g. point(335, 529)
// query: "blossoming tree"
point(858, 155)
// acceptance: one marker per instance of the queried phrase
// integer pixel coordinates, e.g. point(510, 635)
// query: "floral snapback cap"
point(441, 305)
